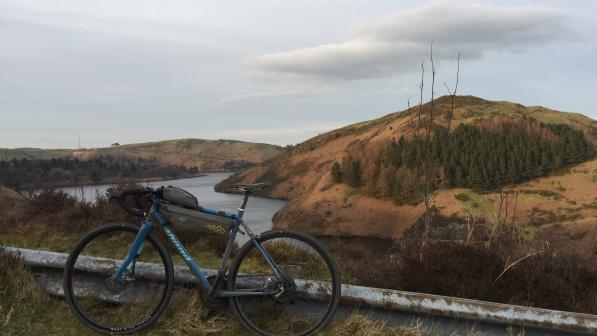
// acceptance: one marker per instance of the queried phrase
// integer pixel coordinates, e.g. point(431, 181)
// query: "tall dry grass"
point(26, 310)
point(54, 220)
point(509, 270)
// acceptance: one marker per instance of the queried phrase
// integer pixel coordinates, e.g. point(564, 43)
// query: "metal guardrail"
point(351, 295)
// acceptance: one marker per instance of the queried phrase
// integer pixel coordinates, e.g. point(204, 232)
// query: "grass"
point(26, 310)
point(197, 147)
point(542, 194)
point(44, 238)
point(53, 223)
point(476, 202)
point(301, 262)
point(540, 217)
point(35, 237)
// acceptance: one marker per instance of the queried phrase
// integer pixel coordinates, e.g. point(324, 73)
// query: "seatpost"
point(245, 199)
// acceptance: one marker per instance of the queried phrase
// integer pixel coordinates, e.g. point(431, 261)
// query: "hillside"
point(318, 205)
point(9, 195)
point(206, 155)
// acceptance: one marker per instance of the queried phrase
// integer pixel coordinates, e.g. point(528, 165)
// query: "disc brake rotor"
point(114, 287)
point(289, 292)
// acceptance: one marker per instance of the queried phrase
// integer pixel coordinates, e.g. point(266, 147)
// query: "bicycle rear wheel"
point(111, 308)
point(311, 285)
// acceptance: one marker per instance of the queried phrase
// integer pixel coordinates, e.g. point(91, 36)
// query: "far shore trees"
point(35, 173)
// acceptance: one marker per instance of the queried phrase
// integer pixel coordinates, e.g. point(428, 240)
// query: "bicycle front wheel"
point(303, 299)
point(117, 308)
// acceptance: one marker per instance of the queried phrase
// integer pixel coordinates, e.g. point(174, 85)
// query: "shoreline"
point(122, 180)
point(328, 238)
point(253, 195)
point(141, 180)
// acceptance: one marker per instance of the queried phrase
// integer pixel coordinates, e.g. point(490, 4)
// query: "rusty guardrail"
point(351, 295)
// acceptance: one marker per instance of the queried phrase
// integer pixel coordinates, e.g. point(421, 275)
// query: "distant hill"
point(206, 155)
point(549, 140)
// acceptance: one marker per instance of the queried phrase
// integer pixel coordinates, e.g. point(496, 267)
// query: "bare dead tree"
point(453, 94)
point(509, 264)
point(415, 121)
point(432, 177)
point(516, 193)
point(428, 159)
point(472, 221)
point(421, 86)
point(503, 205)
point(412, 123)
point(501, 199)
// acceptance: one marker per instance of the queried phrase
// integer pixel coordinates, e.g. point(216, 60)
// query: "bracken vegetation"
point(478, 260)
point(53, 220)
point(483, 157)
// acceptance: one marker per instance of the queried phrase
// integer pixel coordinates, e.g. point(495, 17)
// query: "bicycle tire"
point(249, 246)
point(70, 268)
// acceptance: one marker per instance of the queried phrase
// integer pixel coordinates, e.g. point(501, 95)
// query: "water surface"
point(259, 210)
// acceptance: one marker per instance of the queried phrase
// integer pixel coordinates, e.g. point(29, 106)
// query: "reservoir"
point(258, 215)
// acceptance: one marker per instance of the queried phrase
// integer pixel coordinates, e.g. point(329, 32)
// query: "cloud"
point(279, 136)
point(392, 44)
point(277, 93)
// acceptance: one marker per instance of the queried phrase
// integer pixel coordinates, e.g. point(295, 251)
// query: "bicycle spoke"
point(288, 311)
point(105, 304)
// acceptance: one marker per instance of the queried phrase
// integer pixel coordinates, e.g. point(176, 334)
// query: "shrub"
point(336, 172)
point(561, 279)
point(463, 197)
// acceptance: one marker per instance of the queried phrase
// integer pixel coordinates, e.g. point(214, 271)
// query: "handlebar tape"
point(140, 196)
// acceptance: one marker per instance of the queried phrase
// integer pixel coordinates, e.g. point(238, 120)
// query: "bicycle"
point(119, 278)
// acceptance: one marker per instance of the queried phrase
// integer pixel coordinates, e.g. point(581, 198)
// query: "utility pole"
point(81, 171)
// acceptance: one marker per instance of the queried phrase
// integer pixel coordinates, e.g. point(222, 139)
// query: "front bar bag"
point(195, 220)
point(180, 196)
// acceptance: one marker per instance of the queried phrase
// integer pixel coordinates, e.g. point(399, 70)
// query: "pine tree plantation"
point(484, 157)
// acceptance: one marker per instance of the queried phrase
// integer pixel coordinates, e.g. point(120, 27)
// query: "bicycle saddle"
point(249, 187)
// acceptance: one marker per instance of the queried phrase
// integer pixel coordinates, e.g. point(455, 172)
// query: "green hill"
point(206, 155)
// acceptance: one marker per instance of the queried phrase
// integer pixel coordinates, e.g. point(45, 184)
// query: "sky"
point(273, 71)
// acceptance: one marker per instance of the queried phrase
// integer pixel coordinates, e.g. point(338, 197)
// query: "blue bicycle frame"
point(154, 214)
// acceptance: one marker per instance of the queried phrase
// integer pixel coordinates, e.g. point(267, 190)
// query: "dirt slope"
point(11, 202)
point(302, 175)
point(9, 195)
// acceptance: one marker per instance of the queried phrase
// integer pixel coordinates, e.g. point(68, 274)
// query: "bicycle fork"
point(128, 265)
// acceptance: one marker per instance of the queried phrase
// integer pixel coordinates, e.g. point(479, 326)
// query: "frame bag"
point(195, 220)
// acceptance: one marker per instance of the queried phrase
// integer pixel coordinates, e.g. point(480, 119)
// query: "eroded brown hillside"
point(317, 205)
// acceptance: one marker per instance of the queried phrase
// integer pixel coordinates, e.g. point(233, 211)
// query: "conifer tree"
point(336, 172)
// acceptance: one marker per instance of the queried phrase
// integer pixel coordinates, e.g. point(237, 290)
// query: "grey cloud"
point(278, 136)
point(388, 45)
point(277, 93)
